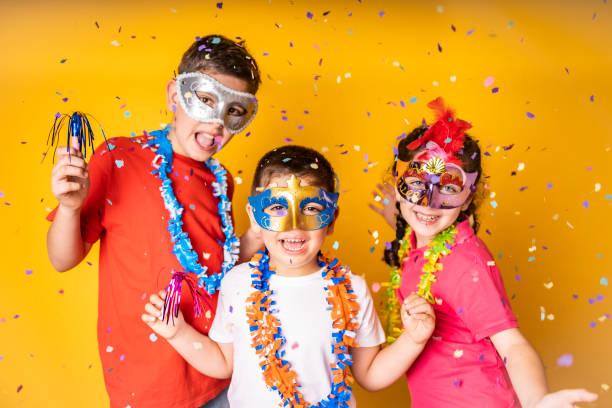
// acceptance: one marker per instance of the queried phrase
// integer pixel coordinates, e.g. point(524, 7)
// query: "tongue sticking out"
point(204, 140)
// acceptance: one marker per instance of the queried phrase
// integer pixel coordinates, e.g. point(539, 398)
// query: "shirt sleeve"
point(92, 213)
point(370, 332)
point(221, 330)
point(480, 300)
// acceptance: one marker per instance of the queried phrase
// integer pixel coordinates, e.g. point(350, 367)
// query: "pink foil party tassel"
point(172, 302)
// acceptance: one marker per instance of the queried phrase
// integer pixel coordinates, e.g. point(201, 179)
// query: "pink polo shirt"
point(459, 366)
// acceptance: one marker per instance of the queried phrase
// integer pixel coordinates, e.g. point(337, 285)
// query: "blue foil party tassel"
point(79, 127)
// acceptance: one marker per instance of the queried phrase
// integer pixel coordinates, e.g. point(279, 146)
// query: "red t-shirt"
point(459, 366)
point(125, 210)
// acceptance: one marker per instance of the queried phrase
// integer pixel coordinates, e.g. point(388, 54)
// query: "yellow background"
point(349, 69)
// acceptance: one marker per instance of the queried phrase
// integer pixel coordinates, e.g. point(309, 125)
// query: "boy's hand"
point(153, 317)
point(566, 399)
point(418, 318)
point(386, 195)
point(70, 177)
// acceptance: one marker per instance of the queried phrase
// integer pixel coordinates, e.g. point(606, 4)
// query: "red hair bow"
point(448, 132)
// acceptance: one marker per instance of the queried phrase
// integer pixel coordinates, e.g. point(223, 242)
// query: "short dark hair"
point(219, 54)
point(293, 159)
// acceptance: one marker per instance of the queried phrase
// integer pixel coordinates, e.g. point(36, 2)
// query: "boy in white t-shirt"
point(291, 325)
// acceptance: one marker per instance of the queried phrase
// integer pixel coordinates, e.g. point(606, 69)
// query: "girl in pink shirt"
point(477, 356)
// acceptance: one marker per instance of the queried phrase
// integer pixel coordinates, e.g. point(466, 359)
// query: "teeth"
point(294, 241)
point(427, 217)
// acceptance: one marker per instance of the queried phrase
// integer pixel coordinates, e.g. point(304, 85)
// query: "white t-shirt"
point(306, 325)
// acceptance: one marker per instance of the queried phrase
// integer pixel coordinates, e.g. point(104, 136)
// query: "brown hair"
point(471, 161)
point(219, 54)
point(293, 159)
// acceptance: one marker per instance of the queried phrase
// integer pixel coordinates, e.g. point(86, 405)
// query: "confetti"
point(119, 163)
point(585, 204)
point(489, 81)
point(566, 360)
point(29, 272)
point(336, 245)
point(109, 349)
point(153, 337)
point(458, 353)
point(530, 115)
point(604, 281)
point(115, 43)
point(375, 287)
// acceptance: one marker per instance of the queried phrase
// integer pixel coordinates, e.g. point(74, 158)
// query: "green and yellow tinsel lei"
point(440, 246)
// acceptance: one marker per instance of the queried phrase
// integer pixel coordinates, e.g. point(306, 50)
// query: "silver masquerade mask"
point(205, 99)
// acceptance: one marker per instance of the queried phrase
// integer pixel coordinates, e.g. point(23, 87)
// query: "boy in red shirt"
point(161, 207)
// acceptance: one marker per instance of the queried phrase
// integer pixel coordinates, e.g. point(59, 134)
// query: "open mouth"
point(205, 141)
point(293, 245)
point(426, 219)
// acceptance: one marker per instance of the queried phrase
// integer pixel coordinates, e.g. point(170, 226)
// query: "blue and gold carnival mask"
point(285, 208)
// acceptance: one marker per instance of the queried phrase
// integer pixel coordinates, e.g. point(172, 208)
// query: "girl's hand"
point(386, 195)
point(70, 177)
point(153, 317)
point(418, 318)
point(566, 399)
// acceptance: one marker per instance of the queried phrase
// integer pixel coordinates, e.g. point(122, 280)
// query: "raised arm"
point(375, 368)
point(526, 372)
point(70, 185)
point(208, 357)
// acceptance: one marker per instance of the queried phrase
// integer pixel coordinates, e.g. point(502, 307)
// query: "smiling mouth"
point(293, 245)
point(427, 219)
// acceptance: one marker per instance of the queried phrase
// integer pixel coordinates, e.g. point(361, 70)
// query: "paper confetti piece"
point(29, 272)
point(119, 163)
point(115, 43)
point(109, 349)
point(604, 281)
point(489, 81)
point(153, 337)
point(530, 115)
point(375, 287)
point(458, 353)
point(586, 204)
point(336, 245)
point(566, 360)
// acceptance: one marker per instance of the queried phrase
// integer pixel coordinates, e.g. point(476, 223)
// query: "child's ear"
point(466, 205)
point(171, 96)
point(330, 227)
point(254, 225)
